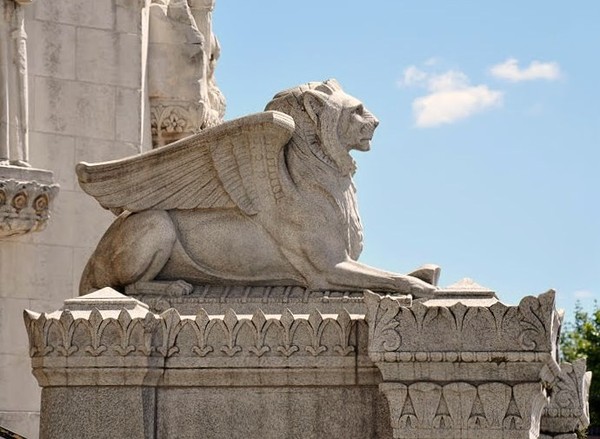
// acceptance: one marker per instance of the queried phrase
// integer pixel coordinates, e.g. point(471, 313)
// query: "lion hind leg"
point(135, 248)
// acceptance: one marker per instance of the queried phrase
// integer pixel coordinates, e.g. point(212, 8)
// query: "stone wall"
point(85, 90)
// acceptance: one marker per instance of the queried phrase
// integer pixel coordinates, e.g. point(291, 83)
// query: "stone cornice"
point(497, 332)
point(131, 337)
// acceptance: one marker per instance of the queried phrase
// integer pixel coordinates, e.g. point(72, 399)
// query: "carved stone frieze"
point(26, 197)
point(463, 410)
point(450, 333)
point(111, 329)
point(101, 333)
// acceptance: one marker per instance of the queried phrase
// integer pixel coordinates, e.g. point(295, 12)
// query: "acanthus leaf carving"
point(512, 419)
point(201, 325)
point(317, 325)
point(381, 314)
point(477, 419)
point(125, 325)
point(95, 325)
point(231, 325)
point(344, 325)
point(260, 325)
point(66, 327)
point(170, 325)
point(150, 323)
point(288, 325)
point(535, 320)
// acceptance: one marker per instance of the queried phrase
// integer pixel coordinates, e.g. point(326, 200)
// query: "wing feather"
point(232, 165)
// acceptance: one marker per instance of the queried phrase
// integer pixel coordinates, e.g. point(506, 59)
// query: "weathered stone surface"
point(464, 368)
point(98, 412)
point(272, 413)
point(263, 200)
point(86, 110)
point(53, 53)
point(110, 61)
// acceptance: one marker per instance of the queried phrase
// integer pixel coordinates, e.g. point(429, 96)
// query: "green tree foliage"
point(582, 339)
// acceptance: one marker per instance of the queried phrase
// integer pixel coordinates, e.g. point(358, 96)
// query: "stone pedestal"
point(109, 368)
point(461, 365)
point(464, 365)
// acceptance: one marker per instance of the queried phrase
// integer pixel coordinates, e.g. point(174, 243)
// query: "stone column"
point(464, 365)
point(182, 55)
point(26, 194)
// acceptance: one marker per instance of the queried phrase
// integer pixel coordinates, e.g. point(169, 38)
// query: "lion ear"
point(313, 103)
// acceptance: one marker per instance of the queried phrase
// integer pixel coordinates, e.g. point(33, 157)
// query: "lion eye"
point(359, 110)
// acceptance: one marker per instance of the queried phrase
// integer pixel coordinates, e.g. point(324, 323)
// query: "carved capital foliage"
point(568, 410)
point(24, 206)
point(460, 332)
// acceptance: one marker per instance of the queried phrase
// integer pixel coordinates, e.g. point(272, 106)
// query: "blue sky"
point(485, 160)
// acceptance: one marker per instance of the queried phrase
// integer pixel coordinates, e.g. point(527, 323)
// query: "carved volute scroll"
point(26, 194)
point(182, 54)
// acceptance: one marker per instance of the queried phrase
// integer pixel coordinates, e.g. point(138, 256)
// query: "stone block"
point(27, 424)
point(78, 221)
point(128, 115)
point(129, 16)
point(56, 153)
point(105, 57)
point(273, 413)
point(50, 278)
point(13, 338)
point(98, 412)
point(20, 391)
point(95, 14)
point(91, 150)
point(51, 49)
point(74, 108)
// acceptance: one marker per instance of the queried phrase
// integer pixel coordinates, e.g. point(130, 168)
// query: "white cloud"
point(413, 76)
point(451, 105)
point(451, 97)
point(511, 71)
point(583, 294)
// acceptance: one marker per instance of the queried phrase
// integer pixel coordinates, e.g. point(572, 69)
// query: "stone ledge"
point(216, 299)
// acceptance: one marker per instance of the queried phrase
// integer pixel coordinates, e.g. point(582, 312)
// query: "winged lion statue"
point(267, 199)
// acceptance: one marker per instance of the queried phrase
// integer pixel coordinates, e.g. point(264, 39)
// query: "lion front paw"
point(418, 288)
point(179, 288)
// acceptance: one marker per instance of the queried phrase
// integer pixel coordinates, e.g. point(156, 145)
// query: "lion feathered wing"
point(233, 165)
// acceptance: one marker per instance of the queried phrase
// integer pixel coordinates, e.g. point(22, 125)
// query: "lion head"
point(330, 121)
